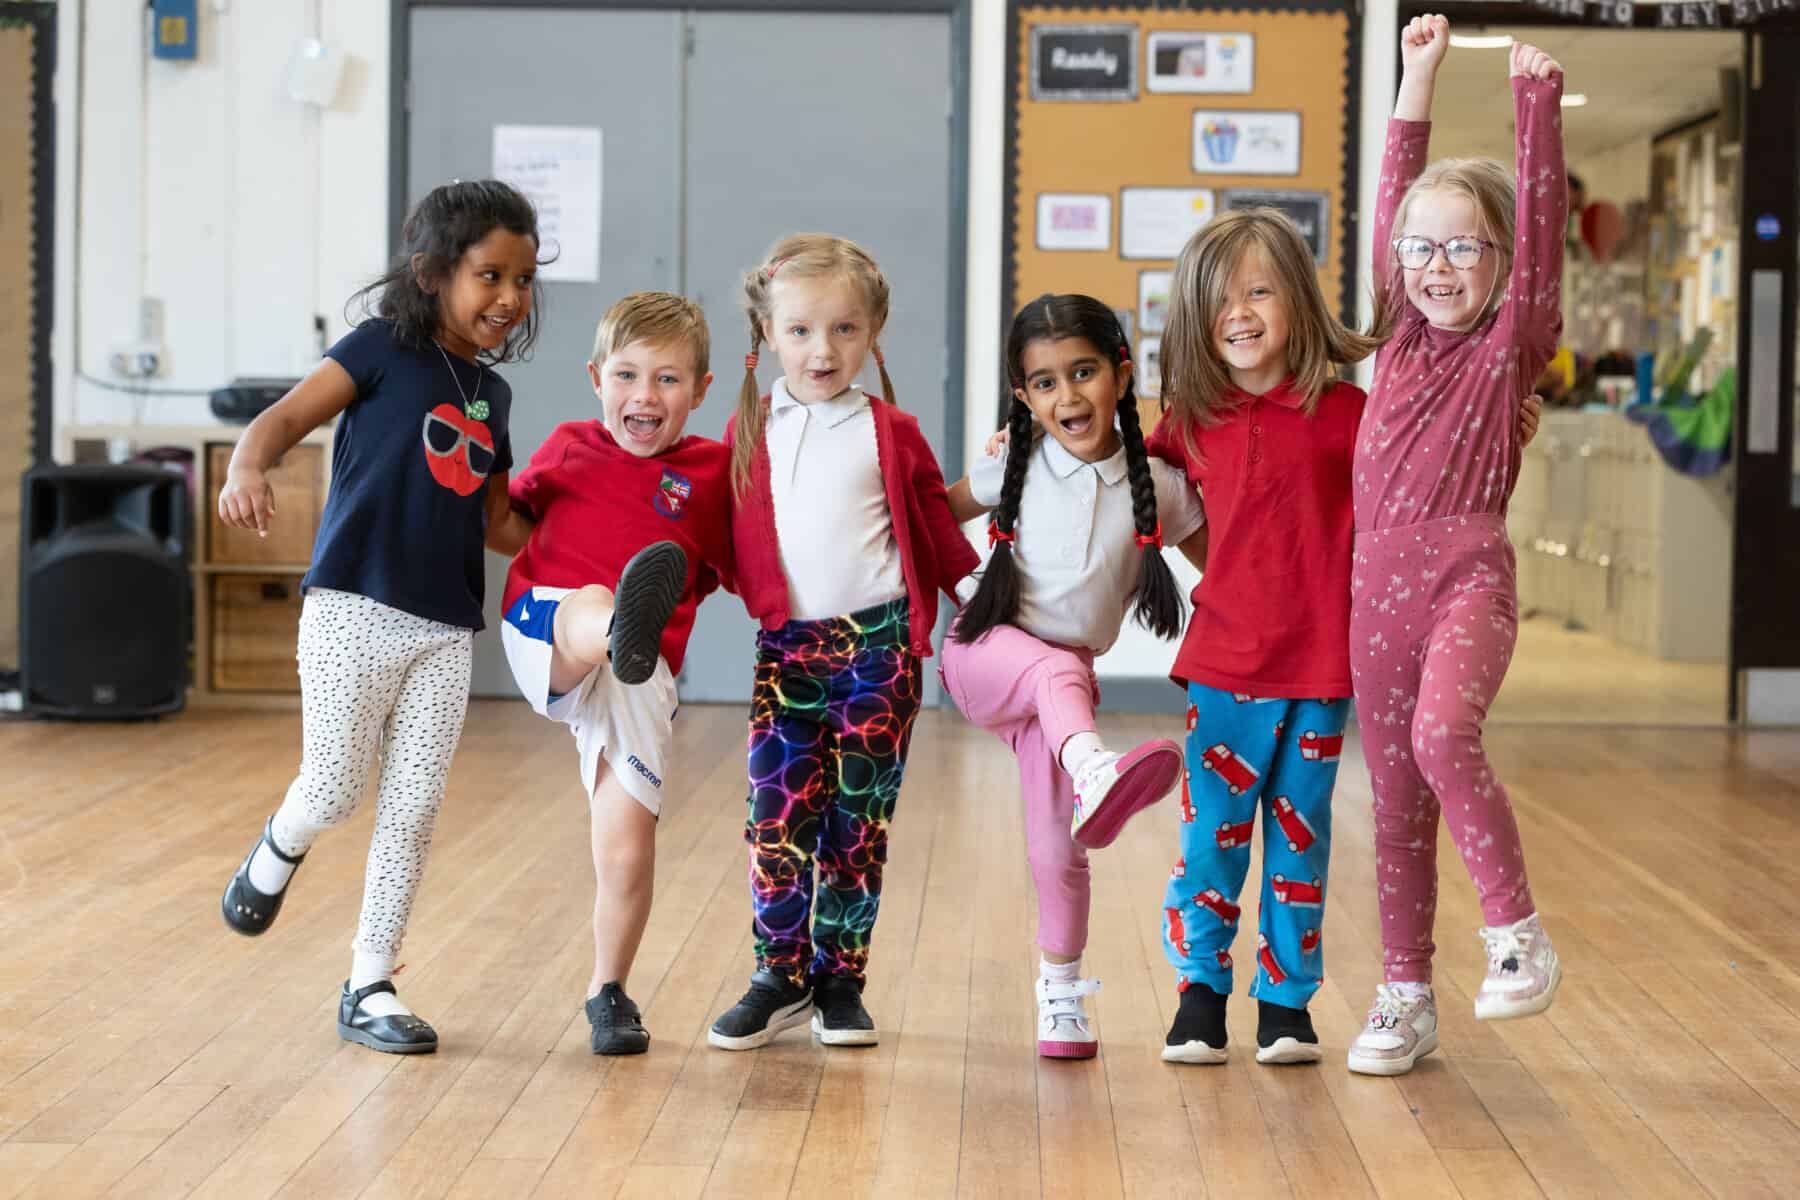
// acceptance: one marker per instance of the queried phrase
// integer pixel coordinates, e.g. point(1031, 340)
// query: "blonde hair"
point(801, 256)
point(1195, 383)
point(660, 318)
point(1488, 187)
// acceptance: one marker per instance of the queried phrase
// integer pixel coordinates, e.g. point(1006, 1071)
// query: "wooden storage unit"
point(255, 629)
point(246, 588)
point(298, 478)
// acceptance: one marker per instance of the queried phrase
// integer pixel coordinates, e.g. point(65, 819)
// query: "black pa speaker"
point(105, 599)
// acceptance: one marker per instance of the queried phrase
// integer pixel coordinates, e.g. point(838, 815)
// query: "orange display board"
point(1180, 140)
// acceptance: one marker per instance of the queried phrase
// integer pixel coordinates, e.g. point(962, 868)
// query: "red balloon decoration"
point(1602, 225)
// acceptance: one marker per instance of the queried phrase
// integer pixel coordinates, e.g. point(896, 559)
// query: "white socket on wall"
point(314, 72)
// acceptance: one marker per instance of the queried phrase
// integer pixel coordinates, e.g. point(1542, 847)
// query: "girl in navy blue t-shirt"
point(394, 596)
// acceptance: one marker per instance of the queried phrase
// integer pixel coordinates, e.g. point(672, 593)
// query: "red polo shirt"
point(596, 504)
point(1272, 609)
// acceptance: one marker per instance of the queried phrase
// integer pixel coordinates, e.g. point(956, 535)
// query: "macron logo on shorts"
point(646, 772)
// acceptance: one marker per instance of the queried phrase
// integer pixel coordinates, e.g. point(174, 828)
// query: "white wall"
point(203, 186)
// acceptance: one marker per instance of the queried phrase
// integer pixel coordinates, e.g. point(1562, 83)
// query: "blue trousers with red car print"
point(1242, 750)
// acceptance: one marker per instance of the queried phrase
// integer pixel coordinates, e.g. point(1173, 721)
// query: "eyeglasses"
point(1415, 253)
point(442, 439)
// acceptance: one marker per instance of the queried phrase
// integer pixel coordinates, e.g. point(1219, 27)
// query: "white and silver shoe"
point(1523, 971)
point(1062, 1022)
point(1401, 1029)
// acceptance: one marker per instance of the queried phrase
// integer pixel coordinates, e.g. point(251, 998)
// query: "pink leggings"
point(1035, 696)
point(1433, 621)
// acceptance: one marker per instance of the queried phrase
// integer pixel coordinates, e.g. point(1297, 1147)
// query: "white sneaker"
point(1112, 788)
point(1401, 1029)
point(1523, 971)
point(1062, 1023)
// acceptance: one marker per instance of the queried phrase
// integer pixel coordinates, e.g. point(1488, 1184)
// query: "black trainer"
point(1285, 1035)
point(1198, 1034)
point(772, 1004)
point(618, 1026)
point(244, 908)
point(402, 1033)
point(649, 589)
point(839, 1018)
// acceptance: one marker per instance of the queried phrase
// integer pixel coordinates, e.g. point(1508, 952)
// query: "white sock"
point(1078, 749)
point(1410, 990)
point(1067, 972)
point(268, 873)
point(366, 968)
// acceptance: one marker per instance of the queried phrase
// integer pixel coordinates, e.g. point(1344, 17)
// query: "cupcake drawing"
point(1220, 137)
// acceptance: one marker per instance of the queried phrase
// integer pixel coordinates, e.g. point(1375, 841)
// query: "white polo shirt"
point(831, 511)
point(1074, 541)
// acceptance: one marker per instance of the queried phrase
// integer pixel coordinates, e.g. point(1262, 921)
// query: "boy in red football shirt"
point(622, 526)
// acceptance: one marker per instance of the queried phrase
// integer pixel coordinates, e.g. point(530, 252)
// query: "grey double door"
point(720, 131)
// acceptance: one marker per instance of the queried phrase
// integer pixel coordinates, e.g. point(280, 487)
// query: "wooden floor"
point(146, 1051)
point(1564, 677)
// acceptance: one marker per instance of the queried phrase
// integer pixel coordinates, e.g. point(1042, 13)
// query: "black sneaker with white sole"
point(839, 1018)
point(650, 588)
point(1198, 1034)
point(618, 1028)
point(1285, 1035)
point(773, 1003)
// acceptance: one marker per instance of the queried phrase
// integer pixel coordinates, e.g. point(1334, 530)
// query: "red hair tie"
point(879, 361)
point(750, 361)
point(995, 536)
point(769, 271)
point(1124, 353)
point(1153, 538)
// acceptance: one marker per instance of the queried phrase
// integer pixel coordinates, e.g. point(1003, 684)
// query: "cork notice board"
point(17, 230)
point(1110, 164)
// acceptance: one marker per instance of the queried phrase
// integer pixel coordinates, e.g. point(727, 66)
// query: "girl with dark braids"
point(1079, 517)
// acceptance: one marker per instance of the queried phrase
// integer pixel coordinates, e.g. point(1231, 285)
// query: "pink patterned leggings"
point(1433, 621)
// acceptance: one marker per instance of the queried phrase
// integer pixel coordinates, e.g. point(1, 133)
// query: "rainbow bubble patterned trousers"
point(830, 720)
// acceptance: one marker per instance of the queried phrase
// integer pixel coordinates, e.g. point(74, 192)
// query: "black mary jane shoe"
point(245, 909)
point(401, 1034)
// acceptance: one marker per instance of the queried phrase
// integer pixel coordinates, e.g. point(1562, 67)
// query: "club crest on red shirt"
point(672, 492)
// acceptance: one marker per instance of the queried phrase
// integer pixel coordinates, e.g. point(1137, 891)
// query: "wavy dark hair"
point(439, 230)
point(996, 602)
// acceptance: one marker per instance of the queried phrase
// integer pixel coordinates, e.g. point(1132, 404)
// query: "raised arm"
point(1422, 46)
point(1532, 310)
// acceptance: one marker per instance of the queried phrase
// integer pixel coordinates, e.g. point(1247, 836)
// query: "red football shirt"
point(596, 504)
point(1272, 609)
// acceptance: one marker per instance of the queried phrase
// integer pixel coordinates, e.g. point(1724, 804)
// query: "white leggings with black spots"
point(375, 679)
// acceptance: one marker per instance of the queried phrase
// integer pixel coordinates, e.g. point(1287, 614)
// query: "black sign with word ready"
point(1084, 62)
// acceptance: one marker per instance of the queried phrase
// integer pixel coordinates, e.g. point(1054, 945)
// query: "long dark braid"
point(1158, 606)
point(996, 600)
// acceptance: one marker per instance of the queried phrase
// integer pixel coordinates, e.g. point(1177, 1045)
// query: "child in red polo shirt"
point(1256, 418)
point(625, 526)
point(843, 537)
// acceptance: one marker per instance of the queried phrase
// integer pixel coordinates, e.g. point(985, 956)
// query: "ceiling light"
point(1467, 41)
point(1574, 99)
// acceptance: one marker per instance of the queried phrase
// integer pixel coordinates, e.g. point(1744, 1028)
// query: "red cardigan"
point(934, 553)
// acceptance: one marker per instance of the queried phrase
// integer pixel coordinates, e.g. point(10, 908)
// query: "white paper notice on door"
point(558, 169)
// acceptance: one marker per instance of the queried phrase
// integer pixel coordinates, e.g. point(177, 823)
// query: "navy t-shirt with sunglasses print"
point(404, 521)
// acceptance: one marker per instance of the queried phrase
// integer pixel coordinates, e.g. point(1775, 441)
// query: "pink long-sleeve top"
point(1440, 435)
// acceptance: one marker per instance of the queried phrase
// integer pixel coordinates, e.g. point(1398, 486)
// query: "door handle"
point(1764, 433)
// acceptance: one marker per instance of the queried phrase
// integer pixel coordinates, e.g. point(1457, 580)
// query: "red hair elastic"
point(1153, 538)
point(995, 536)
point(879, 361)
point(750, 361)
point(769, 271)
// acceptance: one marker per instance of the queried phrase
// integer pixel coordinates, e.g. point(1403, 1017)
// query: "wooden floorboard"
point(147, 1051)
